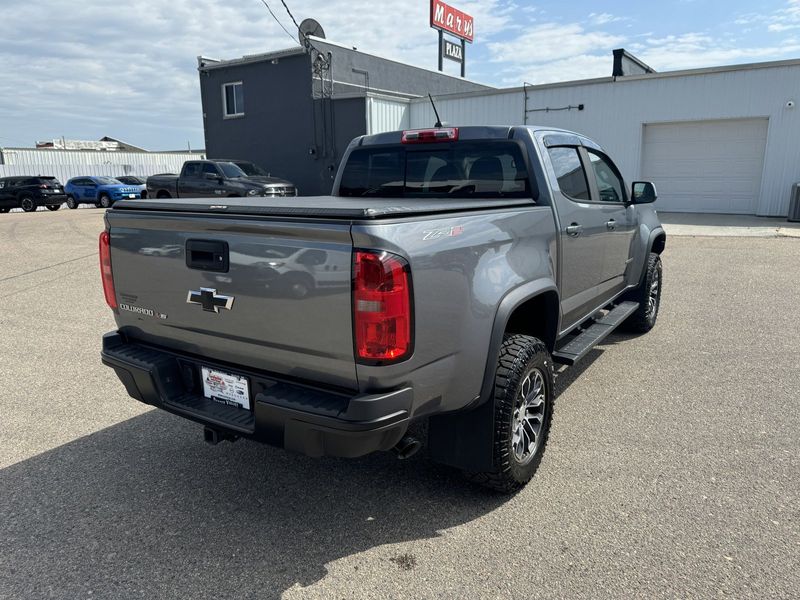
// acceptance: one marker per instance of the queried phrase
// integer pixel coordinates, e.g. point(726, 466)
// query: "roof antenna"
point(436, 112)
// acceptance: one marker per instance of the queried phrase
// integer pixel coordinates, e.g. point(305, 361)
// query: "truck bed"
point(329, 207)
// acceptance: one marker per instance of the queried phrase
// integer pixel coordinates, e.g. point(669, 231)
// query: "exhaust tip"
point(407, 447)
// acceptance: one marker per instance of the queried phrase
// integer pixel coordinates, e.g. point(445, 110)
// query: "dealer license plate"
point(226, 388)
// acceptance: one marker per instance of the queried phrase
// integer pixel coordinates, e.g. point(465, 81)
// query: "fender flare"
point(510, 302)
point(463, 439)
point(655, 233)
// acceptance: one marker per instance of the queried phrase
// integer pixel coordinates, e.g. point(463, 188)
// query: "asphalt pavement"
point(672, 469)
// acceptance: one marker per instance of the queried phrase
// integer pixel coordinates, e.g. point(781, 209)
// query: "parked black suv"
point(29, 193)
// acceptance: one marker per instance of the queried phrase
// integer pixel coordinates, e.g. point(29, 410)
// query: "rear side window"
point(458, 170)
point(569, 172)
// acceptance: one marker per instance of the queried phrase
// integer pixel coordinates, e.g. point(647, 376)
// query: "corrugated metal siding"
point(65, 164)
point(384, 114)
point(616, 112)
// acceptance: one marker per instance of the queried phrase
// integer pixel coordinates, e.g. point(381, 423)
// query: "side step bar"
point(576, 348)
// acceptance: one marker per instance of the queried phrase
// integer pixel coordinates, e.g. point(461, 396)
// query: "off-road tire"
point(645, 316)
point(519, 355)
point(72, 203)
point(53, 206)
point(28, 204)
point(104, 201)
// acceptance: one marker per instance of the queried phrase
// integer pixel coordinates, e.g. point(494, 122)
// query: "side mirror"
point(643, 192)
point(212, 176)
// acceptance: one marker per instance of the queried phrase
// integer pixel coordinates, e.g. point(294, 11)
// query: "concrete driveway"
point(672, 468)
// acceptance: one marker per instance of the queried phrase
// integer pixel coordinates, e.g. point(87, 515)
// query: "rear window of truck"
point(457, 170)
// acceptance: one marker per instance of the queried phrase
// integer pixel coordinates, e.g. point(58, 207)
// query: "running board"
point(579, 346)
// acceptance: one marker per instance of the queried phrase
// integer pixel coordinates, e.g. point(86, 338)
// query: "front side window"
point(233, 99)
point(231, 171)
point(569, 172)
point(210, 168)
point(609, 183)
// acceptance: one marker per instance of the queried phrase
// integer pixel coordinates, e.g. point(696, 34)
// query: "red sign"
point(452, 20)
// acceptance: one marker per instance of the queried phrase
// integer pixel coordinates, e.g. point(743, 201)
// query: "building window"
point(233, 100)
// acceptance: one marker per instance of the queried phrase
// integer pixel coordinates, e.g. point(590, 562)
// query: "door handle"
point(612, 224)
point(574, 230)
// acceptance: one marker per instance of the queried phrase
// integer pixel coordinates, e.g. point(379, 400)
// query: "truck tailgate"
point(267, 294)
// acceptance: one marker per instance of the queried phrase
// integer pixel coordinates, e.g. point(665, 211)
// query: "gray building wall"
point(277, 128)
point(356, 72)
point(288, 127)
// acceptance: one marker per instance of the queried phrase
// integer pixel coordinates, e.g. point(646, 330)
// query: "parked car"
point(256, 173)
point(100, 191)
point(215, 179)
point(29, 193)
point(134, 181)
point(461, 265)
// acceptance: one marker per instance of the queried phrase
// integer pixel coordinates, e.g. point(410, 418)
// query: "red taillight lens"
point(105, 269)
point(381, 306)
point(430, 136)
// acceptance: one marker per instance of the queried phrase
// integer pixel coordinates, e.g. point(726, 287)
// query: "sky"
point(128, 70)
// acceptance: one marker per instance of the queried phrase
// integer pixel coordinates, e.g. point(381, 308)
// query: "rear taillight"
point(381, 306)
point(105, 269)
point(430, 136)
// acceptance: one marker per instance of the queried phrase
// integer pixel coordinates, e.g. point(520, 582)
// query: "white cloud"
point(603, 18)
point(778, 21)
point(128, 70)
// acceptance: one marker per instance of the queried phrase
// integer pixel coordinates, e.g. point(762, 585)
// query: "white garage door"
point(706, 166)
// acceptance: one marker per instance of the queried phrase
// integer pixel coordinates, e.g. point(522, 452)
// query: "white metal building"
point(718, 140)
point(65, 164)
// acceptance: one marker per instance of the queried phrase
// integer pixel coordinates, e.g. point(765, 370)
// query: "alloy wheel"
point(528, 416)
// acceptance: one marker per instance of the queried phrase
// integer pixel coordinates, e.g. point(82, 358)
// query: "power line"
point(290, 14)
point(277, 21)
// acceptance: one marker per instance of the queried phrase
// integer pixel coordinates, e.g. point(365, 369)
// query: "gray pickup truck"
point(217, 179)
point(451, 270)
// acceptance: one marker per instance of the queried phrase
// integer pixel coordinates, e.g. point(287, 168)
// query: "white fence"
point(65, 172)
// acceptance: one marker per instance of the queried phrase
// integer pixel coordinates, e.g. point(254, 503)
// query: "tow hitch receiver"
point(215, 436)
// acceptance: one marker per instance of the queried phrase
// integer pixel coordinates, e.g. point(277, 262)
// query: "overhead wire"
point(278, 21)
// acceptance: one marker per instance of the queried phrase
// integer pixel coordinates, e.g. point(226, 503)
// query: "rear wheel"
point(523, 409)
point(72, 202)
point(27, 204)
point(53, 206)
point(648, 295)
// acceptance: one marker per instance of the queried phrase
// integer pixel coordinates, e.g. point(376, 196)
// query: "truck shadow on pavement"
point(145, 508)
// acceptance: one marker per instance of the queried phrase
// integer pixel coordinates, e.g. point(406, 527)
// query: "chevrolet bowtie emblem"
point(209, 300)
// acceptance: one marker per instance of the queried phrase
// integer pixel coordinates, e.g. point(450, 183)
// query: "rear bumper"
point(51, 200)
point(304, 419)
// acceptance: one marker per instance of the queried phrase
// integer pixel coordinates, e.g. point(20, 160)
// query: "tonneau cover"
point(322, 206)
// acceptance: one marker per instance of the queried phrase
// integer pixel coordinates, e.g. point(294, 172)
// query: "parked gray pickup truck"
point(216, 179)
point(448, 273)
